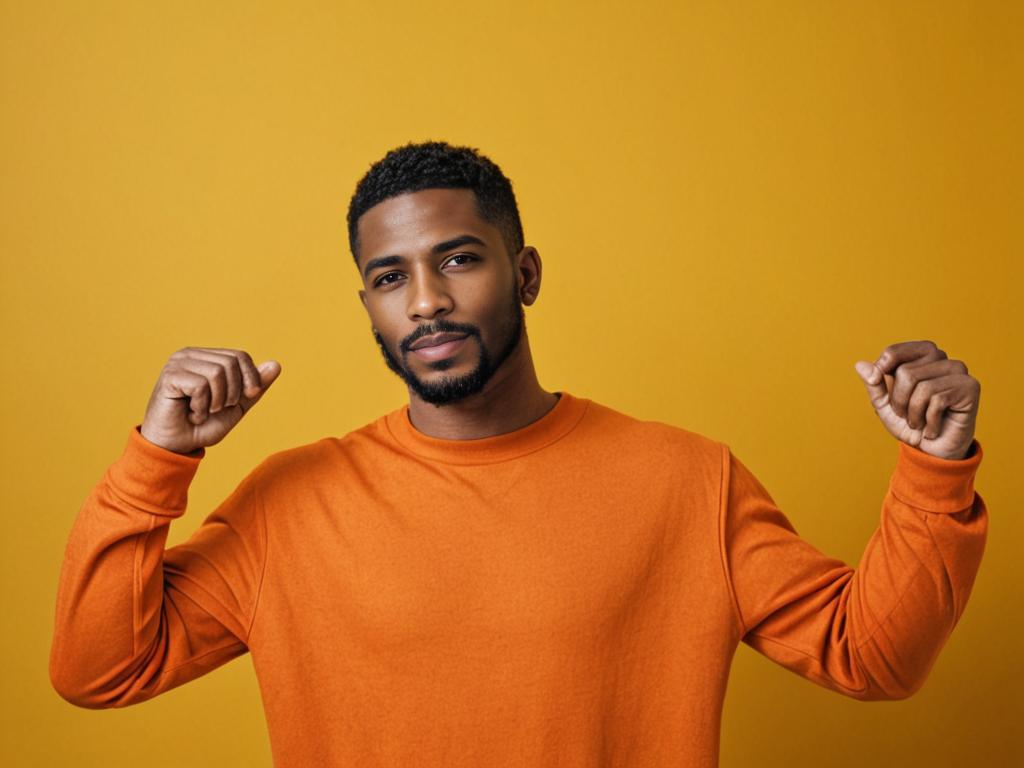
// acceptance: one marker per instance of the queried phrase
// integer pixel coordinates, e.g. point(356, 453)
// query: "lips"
point(436, 340)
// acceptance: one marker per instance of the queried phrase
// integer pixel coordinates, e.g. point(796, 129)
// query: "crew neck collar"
point(552, 426)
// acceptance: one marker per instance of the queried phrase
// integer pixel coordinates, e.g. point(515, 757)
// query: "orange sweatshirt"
point(570, 594)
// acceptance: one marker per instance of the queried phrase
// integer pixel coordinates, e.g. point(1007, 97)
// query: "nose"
point(428, 297)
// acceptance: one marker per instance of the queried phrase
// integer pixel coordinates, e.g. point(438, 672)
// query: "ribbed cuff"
point(154, 478)
point(932, 484)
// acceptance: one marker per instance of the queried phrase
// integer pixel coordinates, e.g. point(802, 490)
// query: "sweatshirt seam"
point(135, 594)
point(263, 569)
point(856, 647)
point(194, 659)
point(817, 660)
point(888, 615)
point(945, 568)
point(921, 508)
point(138, 505)
point(953, 472)
point(908, 585)
point(723, 503)
point(138, 554)
point(486, 462)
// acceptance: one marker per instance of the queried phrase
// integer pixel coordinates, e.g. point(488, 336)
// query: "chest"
point(472, 559)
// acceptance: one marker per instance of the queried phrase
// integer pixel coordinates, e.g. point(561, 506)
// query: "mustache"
point(438, 326)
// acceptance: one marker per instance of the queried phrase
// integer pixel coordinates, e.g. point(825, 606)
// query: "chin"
point(441, 365)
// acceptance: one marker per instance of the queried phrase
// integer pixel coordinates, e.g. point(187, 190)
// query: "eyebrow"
point(447, 245)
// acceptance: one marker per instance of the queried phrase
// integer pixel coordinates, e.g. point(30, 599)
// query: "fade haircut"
point(438, 164)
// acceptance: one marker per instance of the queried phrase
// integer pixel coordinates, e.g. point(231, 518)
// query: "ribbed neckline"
point(552, 426)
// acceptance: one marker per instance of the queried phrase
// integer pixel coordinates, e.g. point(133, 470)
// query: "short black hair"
point(438, 164)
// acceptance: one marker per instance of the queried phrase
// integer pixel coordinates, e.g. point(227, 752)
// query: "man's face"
point(440, 290)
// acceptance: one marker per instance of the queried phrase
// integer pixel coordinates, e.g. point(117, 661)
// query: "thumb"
point(874, 380)
point(268, 371)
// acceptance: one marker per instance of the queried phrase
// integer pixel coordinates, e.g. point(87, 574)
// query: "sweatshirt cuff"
point(154, 478)
point(933, 484)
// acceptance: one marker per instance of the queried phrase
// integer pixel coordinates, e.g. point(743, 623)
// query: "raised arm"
point(872, 632)
point(132, 619)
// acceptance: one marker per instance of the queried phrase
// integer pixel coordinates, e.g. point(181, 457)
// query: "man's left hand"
point(923, 398)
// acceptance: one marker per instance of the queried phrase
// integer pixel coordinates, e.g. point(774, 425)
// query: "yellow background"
point(734, 203)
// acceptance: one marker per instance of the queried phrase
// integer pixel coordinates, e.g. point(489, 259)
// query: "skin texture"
point(201, 395)
point(452, 388)
point(471, 284)
point(923, 398)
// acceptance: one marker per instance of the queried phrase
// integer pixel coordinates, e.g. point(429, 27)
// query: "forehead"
point(415, 221)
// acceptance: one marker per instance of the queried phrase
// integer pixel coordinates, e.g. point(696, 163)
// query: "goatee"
point(451, 389)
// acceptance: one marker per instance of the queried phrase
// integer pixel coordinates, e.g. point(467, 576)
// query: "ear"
point(362, 297)
point(528, 273)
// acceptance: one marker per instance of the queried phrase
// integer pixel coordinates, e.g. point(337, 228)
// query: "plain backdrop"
point(734, 202)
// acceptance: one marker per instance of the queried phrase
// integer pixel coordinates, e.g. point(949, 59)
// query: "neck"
point(511, 399)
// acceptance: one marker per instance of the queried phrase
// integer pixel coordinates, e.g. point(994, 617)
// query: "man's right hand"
point(202, 393)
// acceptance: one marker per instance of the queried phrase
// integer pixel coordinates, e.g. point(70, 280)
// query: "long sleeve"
point(872, 632)
point(134, 620)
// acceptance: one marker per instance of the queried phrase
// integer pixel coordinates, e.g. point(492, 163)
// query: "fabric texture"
point(571, 593)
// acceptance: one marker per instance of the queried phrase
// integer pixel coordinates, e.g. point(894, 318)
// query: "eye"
point(461, 258)
point(388, 278)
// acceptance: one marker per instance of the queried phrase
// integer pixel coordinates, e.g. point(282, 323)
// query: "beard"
point(451, 389)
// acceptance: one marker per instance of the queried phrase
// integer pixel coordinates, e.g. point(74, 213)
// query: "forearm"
point(120, 633)
point(872, 632)
point(931, 539)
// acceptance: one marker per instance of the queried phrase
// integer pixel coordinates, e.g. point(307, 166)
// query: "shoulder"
point(326, 456)
point(650, 439)
point(623, 426)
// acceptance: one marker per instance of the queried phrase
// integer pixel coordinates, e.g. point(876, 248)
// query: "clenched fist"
point(923, 398)
point(202, 393)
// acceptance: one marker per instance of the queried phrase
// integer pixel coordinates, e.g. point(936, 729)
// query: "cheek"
point(493, 300)
point(500, 314)
point(381, 313)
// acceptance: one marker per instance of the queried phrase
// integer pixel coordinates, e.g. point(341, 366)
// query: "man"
point(498, 575)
